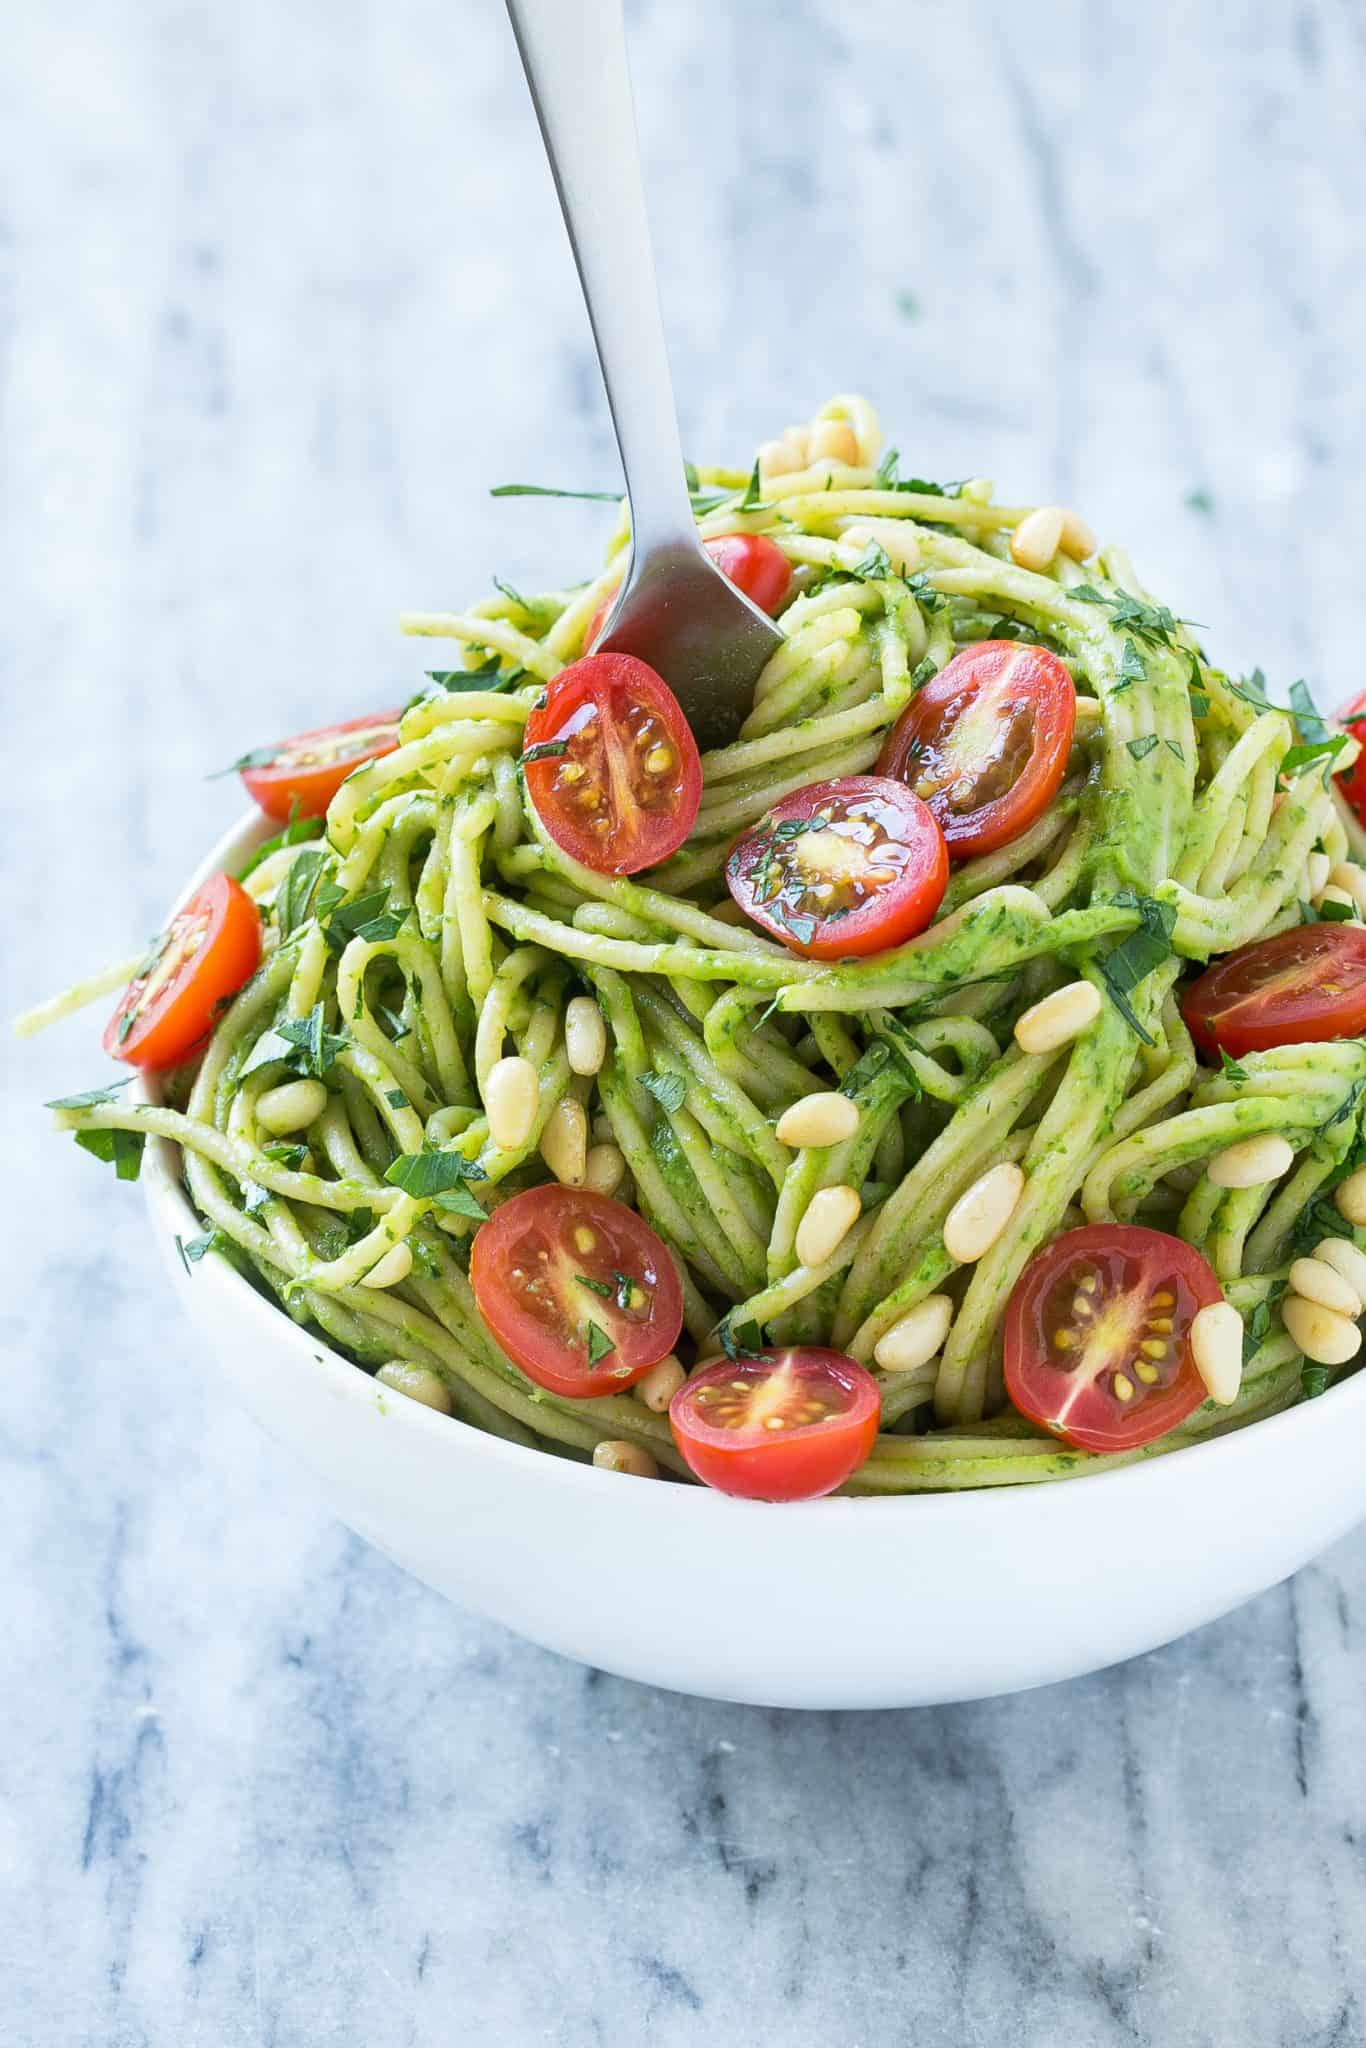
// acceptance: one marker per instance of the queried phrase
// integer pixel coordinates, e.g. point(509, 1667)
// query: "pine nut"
point(564, 1142)
point(1059, 1018)
point(396, 1265)
point(830, 1215)
point(614, 1454)
point(1322, 1335)
point(916, 1337)
point(1038, 537)
point(1318, 867)
point(893, 536)
point(1349, 877)
point(604, 1169)
point(825, 1119)
point(661, 1383)
point(293, 1106)
point(832, 441)
point(1077, 540)
point(1334, 893)
point(978, 1217)
point(1316, 1280)
point(585, 1035)
point(1217, 1348)
point(1251, 1162)
point(776, 458)
point(511, 1098)
point(1350, 1197)
point(1344, 1258)
point(418, 1383)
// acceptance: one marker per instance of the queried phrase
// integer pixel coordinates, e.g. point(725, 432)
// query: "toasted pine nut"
point(604, 1169)
point(916, 1337)
point(1316, 1280)
point(825, 1119)
point(1318, 867)
point(1077, 539)
point(1038, 537)
point(1350, 1197)
point(776, 458)
point(293, 1106)
point(659, 1385)
point(1251, 1162)
point(1059, 1018)
point(418, 1382)
point(564, 1142)
point(1320, 1333)
point(1217, 1348)
point(585, 1035)
point(396, 1265)
point(892, 535)
point(1348, 877)
point(832, 441)
point(1334, 893)
point(1344, 1258)
point(830, 1215)
point(978, 1217)
point(511, 1098)
point(614, 1454)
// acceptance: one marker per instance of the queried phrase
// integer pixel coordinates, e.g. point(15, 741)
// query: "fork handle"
point(574, 56)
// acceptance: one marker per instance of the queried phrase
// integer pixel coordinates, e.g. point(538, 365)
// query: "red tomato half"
point(611, 765)
point(1097, 1335)
point(985, 742)
point(842, 868)
point(1309, 983)
point(577, 1289)
point(1352, 717)
point(209, 949)
point(302, 775)
point(787, 1425)
point(753, 563)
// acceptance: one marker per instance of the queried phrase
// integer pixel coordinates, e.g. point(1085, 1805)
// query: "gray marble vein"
point(282, 291)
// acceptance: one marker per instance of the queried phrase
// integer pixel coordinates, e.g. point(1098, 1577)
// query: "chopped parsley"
point(669, 1090)
point(1134, 959)
point(599, 1343)
point(1140, 749)
point(549, 491)
point(120, 1149)
point(92, 1097)
point(546, 750)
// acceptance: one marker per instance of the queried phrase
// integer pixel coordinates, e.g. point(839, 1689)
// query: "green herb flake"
point(396, 1098)
point(550, 491)
point(92, 1097)
point(669, 1090)
point(297, 895)
point(1231, 1070)
point(1200, 501)
point(427, 1174)
point(547, 750)
point(120, 1149)
point(1134, 959)
point(602, 1287)
point(1140, 749)
point(874, 564)
point(599, 1343)
point(259, 757)
point(291, 1157)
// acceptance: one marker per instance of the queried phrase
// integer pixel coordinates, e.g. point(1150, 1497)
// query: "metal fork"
point(676, 610)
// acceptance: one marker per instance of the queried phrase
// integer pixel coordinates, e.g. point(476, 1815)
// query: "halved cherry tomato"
point(1352, 717)
point(985, 742)
point(302, 775)
point(208, 950)
point(787, 1425)
point(753, 563)
point(1309, 983)
point(612, 766)
point(577, 1289)
point(1097, 1335)
point(842, 868)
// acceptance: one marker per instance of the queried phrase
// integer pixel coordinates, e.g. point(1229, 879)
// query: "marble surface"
point(282, 290)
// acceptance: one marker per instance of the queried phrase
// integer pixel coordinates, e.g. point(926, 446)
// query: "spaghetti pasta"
point(434, 928)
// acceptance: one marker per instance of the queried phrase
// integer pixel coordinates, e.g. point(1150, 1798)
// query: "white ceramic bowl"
point(835, 1603)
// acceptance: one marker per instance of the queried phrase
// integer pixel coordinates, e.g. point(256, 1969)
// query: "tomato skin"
point(909, 849)
point(610, 714)
point(754, 564)
point(527, 1273)
point(1121, 1267)
point(1020, 702)
point(288, 786)
point(1352, 783)
point(1271, 993)
point(801, 1461)
point(219, 934)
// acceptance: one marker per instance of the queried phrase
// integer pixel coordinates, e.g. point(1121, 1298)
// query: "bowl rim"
point(170, 1208)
